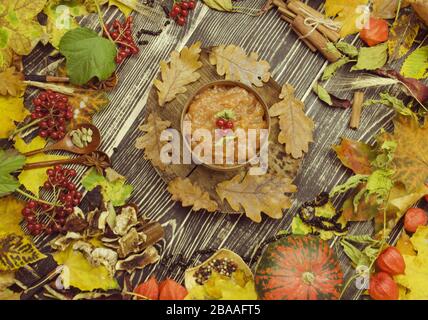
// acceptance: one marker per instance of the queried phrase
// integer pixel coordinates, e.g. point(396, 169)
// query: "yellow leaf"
point(33, 179)
point(347, 13)
point(12, 110)
point(257, 194)
point(11, 82)
point(6, 280)
point(233, 62)
point(415, 277)
point(296, 127)
point(179, 72)
point(150, 142)
point(191, 195)
point(81, 274)
point(125, 9)
point(404, 245)
point(10, 215)
point(17, 251)
point(416, 64)
point(402, 35)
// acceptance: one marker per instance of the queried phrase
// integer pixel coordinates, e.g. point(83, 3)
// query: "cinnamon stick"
point(300, 8)
point(315, 38)
point(279, 4)
point(305, 41)
point(357, 106)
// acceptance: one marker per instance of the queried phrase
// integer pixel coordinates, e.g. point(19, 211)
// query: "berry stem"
point(30, 196)
point(100, 18)
point(29, 125)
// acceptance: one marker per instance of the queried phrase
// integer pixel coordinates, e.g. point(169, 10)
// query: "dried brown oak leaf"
point(257, 194)
point(179, 72)
point(296, 127)
point(191, 195)
point(11, 82)
point(233, 62)
point(410, 161)
point(150, 142)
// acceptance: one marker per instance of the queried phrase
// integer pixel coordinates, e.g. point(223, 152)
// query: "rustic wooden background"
point(291, 61)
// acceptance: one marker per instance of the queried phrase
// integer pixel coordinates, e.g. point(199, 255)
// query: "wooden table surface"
point(291, 61)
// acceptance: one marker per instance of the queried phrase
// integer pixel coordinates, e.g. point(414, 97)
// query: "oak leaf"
point(11, 82)
point(191, 194)
point(33, 179)
point(296, 127)
point(12, 110)
point(347, 13)
point(150, 142)
point(402, 35)
point(410, 161)
point(10, 215)
point(355, 155)
point(233, 62)
point(179, 72)
point(257, 194)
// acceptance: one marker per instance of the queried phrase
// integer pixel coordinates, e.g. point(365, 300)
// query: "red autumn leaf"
point(355, 155)
point(171, 290)
point(148, 289)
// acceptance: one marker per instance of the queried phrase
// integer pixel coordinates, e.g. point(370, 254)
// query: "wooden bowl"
point(227, 83)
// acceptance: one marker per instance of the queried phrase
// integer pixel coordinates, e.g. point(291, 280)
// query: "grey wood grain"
point(291, 61)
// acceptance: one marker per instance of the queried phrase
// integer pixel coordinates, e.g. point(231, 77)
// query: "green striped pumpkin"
point(299, 268)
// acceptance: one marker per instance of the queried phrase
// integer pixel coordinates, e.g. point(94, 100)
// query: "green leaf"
point(331, 69)
point(416, 64)
point(114, 190)
point(394, 103)
point(10, 161)
point(322, 94)
point(361, 239)
point(226, 114)
point(353, 182)
point(371, 58)
point(347, 48)
point(88, 55)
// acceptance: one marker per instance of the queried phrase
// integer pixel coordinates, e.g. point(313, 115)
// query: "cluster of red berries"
point(180, 11)
point(121, 33)
point(224, 124)
point(53, 112)
point(67, 198)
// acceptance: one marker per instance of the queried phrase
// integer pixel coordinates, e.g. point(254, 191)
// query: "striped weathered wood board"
point(291, 62)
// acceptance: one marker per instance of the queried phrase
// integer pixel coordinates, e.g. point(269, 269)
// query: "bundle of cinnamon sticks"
point(315, 34)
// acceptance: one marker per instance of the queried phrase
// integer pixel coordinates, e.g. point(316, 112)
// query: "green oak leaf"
point(88, 55)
